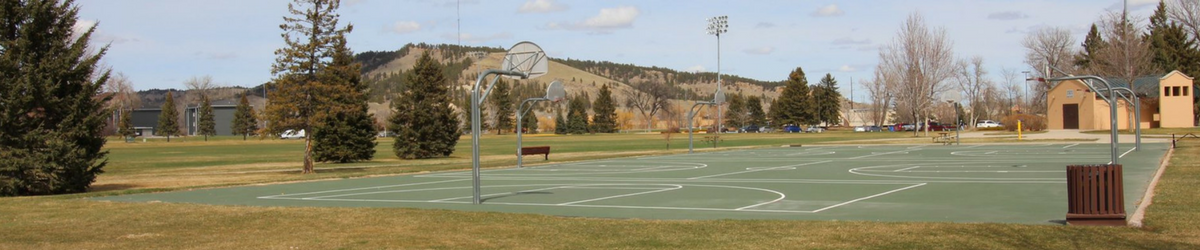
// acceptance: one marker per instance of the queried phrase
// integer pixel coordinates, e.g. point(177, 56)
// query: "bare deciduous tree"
point(924, 61)
point(972, 81)
point(198, 88)
point(124, 98)
point(1049, 46)
point(1127, 55)
point(1011, 91)
point(1186, 13)
point(648, 98)
point(877, 91)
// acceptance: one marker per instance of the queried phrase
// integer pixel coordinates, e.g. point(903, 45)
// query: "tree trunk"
point(308, 164)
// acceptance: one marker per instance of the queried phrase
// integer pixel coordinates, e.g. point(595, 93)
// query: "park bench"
point(539, 150)
point(711, 139)
point(944, 138)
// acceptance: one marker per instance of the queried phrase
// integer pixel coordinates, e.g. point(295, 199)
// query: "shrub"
point(1028, 122)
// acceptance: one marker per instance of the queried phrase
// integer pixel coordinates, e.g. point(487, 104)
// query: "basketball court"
point(1023, 183)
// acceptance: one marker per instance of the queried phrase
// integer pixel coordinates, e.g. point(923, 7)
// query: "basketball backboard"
point(719, 97)
point(528, 58)
point(555, 91)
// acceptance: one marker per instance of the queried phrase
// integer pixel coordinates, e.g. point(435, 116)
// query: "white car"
point(988, 124)
point(292, 134)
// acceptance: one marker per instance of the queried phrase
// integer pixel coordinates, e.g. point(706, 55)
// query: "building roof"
point(1145, 85)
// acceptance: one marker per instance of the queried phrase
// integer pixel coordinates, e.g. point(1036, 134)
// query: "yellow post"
point(1019, 131)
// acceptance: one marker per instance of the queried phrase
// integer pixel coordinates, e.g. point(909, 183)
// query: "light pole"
point(957, 122)
point(1025, 96)
point(717, 26)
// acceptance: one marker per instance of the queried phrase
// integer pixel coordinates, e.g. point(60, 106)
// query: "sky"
point(162, 43)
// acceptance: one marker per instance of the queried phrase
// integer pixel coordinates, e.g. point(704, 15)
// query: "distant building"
point(145, 120)
point(1166, 103)
point(222, 116)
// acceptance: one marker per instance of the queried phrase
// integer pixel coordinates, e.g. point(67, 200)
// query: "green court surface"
point(1023, 183)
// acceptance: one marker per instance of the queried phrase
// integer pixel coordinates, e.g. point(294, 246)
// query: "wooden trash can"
point(1095, 195)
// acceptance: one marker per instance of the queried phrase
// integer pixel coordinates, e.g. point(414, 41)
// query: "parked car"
point(750, 129)
point(791, 129)
point(988, 124)
point(933, 126)
point(814, 129)
point(905, 127)
point(867, 129)
point(292, 134)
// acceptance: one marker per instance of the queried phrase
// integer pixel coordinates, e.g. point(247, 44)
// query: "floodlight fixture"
point(717, 26)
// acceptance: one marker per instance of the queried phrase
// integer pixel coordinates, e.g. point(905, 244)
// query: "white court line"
point(1123, 155)
point(353, 189)
point(975, 146)
point(874, 154)
point(902, 169)
point(756, 170)
point(868, 197)
point(623, 195)
point(1072, 145)
point(498, 194)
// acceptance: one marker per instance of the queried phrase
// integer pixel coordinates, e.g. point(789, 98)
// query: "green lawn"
point(70, 222)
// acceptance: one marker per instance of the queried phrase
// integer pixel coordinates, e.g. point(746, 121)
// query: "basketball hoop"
point(525, 57)
point(555, 92)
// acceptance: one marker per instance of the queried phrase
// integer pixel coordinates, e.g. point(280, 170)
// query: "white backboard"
point(555, 91)
point(528, 58)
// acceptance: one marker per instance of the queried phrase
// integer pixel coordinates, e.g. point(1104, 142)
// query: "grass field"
point(71, 222)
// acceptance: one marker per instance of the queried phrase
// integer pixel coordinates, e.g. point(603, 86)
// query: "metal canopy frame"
point(1111, 99)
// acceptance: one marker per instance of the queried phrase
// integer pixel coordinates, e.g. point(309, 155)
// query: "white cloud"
point(603, 23)
point(611, 18)
point(696, 69)
point(764, 25)
point(468, 37)
point(541, 6)
point(760, 50)
point(353, 2)
point(404, 27)
point(81, 26)
point(828, 10)
point(847, 68)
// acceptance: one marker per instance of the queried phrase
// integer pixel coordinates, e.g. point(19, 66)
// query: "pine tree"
point(793, 105)
point(125, 124)
point(1092, 44)
point(244, 121)
point(347, 133)
point(530, 124)
point(424, 123)
point(501, 100)
point(302, 98)
point(827, 101)
point(51, 110)
point(755, 108)
point(577, 122)
point(168, 119)
point(736, 108)
point(208, 125)
point(604, 112)
point(560, 124)
point(1170, 47)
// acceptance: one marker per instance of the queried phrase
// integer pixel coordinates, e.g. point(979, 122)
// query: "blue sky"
point(161, 43)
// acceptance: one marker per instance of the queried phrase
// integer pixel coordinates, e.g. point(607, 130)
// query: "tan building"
point(1166, 103)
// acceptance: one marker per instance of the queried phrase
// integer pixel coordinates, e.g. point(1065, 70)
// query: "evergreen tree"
point(125, 124)
point(755, 108)
point(604, 112)
point(347, 133)
point(531, 123)
point(168, 119)
point(208, 125)
point(51, 110)
point(302, 98)
point(1091, 46)
point(577, 122)
point(827, 101)
point(792, 106)
point(560, 124)
point(501, 100)
point(244, 121)
point(735, 110)
point(424, 123)
point(1170, 47)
